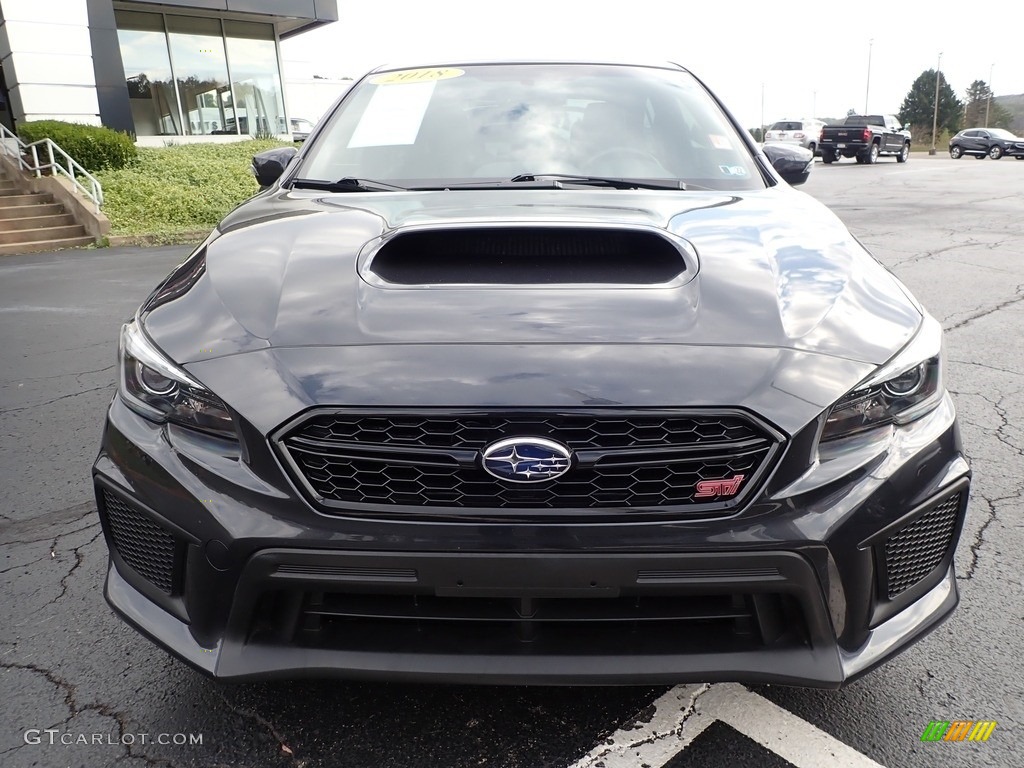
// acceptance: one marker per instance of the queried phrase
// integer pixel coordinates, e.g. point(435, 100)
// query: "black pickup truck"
point(865, 137)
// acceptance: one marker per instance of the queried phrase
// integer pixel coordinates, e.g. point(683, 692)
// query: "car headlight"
point(907, 387)
point(158, 389)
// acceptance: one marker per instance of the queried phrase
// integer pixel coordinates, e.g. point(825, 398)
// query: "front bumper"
point(822, 663)
point(794, 589)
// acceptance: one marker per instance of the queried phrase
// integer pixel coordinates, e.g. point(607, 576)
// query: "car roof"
point(602, 61)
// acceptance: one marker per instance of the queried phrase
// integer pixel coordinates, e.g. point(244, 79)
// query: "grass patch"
point(181, 189)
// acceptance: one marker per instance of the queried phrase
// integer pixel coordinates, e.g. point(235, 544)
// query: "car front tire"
point(995, 152)
point(904, 154)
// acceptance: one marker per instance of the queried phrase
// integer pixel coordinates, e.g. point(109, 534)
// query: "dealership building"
point(200, 69)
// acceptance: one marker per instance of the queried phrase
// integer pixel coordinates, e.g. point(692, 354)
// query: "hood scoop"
point(527, 256)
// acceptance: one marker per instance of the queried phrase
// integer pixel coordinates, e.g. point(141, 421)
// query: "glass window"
point(201, 72)
point(252, 55)
point(494, 122)
point(147, 72)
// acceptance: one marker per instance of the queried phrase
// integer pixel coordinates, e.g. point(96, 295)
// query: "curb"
point(171, 238)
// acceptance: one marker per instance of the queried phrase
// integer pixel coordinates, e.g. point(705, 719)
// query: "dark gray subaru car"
point(532, 373)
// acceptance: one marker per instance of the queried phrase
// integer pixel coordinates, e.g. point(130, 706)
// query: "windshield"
point(489, 122)
point(787, 126)
point(999, 133)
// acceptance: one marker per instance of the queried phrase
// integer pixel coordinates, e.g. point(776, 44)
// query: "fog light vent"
point(915, 550)
point(143, 544)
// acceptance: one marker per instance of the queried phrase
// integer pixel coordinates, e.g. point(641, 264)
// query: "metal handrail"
point(73, 171)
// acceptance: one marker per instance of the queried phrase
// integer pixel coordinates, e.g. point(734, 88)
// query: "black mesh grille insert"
point(914, 551)
point(621, 459)
point(143, 544)
point(579, 431)
point(528, 255)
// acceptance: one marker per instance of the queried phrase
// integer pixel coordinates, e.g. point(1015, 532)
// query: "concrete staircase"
point(34, 222)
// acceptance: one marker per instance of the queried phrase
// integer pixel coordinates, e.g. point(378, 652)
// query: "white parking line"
point(674, 724)
point(684, 712)
point(780, 731)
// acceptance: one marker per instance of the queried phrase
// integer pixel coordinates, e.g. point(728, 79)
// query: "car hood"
point(786, 311)
point(775, 269)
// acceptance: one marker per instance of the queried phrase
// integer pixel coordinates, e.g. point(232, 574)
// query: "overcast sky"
point(806, 65)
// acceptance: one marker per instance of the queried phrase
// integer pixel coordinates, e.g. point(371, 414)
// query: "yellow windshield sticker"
point(416, 76)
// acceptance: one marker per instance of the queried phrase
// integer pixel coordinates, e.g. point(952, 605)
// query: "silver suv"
point(802, 132)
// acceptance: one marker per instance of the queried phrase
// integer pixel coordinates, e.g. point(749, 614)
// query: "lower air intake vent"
point(528, 256)
point(914, 551)
point(143, 545)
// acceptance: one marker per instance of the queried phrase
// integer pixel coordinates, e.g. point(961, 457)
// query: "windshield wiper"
point(601, 181)
point(347, 184)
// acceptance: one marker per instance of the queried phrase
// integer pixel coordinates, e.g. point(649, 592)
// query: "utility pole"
point(935, 115)
point(988, 106)
point(762, 110)
point(867, 89)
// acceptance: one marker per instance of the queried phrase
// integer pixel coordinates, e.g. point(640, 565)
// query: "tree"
point(979, 108)
point(919, 106)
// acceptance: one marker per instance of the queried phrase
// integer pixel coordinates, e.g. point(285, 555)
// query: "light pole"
point(814, 104)
point(935, 115)
point(867, 89)
point(988, 105)
point(762, 111)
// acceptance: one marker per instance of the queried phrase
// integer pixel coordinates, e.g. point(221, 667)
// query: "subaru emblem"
point(526, 459)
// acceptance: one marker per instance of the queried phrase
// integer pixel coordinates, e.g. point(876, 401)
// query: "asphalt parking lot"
point(72, 672)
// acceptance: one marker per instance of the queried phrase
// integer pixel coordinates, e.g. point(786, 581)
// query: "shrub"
point(183, 188)
point(93, 147)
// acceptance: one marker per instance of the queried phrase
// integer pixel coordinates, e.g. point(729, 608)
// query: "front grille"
point(638, 624)
point(142, 544)
point(917, 549)
point(621, 460)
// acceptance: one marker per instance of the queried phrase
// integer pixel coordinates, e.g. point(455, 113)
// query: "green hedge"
point(179, 189)
point(94, 148)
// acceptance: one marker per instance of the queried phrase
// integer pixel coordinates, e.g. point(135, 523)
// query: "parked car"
point(865, 137)
point(301, 128)
point(477, 392)
point(986, 142)
point(803, 133)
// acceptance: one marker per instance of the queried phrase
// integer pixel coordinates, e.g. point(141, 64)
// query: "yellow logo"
point(958, 730)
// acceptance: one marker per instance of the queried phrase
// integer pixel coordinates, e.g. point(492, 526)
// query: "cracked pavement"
point(961, 252)
point(953, 231)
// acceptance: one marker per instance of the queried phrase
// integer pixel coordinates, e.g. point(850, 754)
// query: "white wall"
point(47, 60)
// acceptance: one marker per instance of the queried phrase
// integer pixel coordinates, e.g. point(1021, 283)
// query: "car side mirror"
point(267, 166)
point(792, 163)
